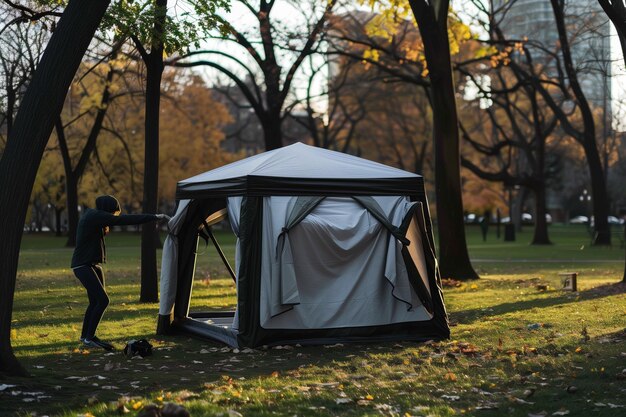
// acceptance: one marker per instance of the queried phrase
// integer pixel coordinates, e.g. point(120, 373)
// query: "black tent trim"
point(280, 186)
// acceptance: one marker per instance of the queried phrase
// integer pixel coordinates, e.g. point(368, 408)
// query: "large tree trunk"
point(433, 26)
point(149, 235)
point(540, 236)
point(33, 124)
point(272, 132)
point(599, 194)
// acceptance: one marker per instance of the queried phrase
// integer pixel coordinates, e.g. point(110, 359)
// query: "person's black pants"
point(92, 278)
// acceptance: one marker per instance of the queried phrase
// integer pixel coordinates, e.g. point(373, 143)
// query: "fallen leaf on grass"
point(529, 392)
point(520, 401)
point(450, 376)
point(451, 397)
point(5, 386)
point(385, 407)
point(608, 405)
point(561, 413)
point(539, 414)
point(326, 384)
point(487, 406)
point(342, 400)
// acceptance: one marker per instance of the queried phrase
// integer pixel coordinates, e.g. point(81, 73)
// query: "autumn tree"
point(191, 136)
point(40, 107)
point(89, 99)
point(432, 18)
point(509, 142)
point(562, 89)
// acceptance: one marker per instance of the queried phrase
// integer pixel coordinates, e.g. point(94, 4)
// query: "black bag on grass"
point(139, 347)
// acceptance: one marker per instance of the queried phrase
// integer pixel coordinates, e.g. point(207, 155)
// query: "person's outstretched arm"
point(108, 219)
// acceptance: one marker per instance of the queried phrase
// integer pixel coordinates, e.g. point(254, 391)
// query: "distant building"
point(245, 133)
point(589, 34)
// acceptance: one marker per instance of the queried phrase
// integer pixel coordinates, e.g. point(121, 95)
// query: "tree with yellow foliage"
point(438, 40)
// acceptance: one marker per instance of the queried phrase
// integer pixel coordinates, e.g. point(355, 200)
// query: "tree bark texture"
point(432, 20)
point(149, 234)
point(272, 130)
point(540, 237)
point(31, 130)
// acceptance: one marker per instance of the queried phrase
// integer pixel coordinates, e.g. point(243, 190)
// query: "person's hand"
point(162, 217)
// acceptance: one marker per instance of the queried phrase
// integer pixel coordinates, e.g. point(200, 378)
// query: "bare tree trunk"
point(57, 221)
point(599, 192)
point(518, 208)
point(272, 132)
point(433, 26)
point(149, 235)
point(540, 236)
point(33, 124)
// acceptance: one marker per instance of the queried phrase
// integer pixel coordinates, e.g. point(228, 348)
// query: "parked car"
point(615, 220)
point(579, 220)
point(471, 218)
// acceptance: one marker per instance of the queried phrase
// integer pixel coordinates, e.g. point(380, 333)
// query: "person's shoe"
point(94, 342)
point(106, 345)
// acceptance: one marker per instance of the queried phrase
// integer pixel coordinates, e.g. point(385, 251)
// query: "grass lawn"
point(514, 350)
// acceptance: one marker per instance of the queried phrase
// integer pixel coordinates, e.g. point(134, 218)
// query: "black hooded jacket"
point(90, 248)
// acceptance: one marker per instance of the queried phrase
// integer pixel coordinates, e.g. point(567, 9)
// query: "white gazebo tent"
point(330, 247)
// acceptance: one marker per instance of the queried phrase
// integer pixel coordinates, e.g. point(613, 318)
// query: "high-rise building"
point(588, 31)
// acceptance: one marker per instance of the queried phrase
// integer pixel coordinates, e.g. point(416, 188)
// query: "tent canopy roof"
point(301, 169)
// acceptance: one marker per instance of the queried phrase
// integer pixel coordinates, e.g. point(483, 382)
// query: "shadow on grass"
point(69, 380)
point(180, 367)
point(472, 315)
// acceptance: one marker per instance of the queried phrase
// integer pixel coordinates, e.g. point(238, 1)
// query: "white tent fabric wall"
point(234, 210)
point(341, 267)
point(169, 260)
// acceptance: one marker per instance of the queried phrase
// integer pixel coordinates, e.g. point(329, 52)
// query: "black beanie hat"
point(108, 203)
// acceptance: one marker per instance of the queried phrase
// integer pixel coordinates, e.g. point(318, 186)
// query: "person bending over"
point(90, 252)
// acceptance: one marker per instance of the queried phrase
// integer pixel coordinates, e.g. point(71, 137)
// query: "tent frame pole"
point(220, 252)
